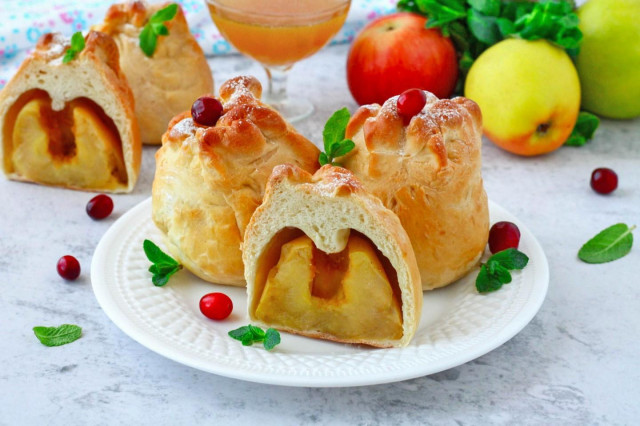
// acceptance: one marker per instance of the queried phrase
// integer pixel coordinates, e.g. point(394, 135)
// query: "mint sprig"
point(57, 336)
point(475, 25)
point(496, 272)
point(77, 44)
point(610, 244)
point(163, 266)
point(250, 334)
point(155, 28)
point(335, 145)
point(583, 130)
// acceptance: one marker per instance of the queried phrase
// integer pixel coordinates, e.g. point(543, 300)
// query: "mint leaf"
point(272, 338)
point(335, 128)
point(155, 27)
point(583, 131)
point(250, 334)
point(495, 272)
point(610, 244)
point(77, 45)
point(163, 266)
point(335, 145)
point(57, 336)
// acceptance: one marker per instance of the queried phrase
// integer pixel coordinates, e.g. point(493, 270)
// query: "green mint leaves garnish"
point(611, 244)
point(163, 265)
point(155, 27)
point(474, 25)
point(77, 44)
point(250, 334)
point(57, 336)
point(495, 272)
point(335, 145)
point(583, 130)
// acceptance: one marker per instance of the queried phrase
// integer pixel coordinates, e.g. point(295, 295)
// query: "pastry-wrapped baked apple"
point(428, 172)
point(70, 124)
point(167, 83)
point(325, 259)
point(210, 179)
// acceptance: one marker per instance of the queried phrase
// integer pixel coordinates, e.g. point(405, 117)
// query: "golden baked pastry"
point(429, 174)
point(324, 258)
point(209, 180)
point(73, 124)
point(167, 83)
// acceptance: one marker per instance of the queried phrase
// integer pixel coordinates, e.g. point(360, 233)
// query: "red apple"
point(395, 53)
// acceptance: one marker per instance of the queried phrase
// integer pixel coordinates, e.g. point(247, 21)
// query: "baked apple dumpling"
point(210, 179)
point(166, 83)
point(70, 124)
point(428, 172)
point(325, 259)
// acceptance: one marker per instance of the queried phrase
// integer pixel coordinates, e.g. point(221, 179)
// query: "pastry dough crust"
point(167, 83)
point(326, 207)
point(429, 174)
point(95, 75)
point(209, 180)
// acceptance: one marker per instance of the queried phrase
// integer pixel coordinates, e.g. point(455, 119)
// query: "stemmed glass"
point(277, 34)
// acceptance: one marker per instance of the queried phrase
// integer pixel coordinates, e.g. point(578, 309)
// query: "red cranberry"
point(604, 180)
point(68, 267)
point(503, 235)
point(410, 103)
point(216, 306)
point(100, 207)
point(206, 111)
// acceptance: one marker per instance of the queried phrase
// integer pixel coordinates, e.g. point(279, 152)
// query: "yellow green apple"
point(609, 59)
point(529, 94)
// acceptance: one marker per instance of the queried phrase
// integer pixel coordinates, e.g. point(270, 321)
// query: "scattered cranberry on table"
point(410, 103)
point(206, 111)
point(68, 267)
point(100, 207)
point(216, 306)
point(503, 235)
point(604, 180)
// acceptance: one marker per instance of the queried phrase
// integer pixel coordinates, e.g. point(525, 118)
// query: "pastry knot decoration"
point(210, 179)
point(70, 124)
point(325, 259)
point(166, 83)
point(428, 172)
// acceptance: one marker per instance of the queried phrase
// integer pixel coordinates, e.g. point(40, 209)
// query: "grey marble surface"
point(577, 362)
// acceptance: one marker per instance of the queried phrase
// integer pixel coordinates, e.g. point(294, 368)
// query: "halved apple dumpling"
point(70, 124)
point(323, 258)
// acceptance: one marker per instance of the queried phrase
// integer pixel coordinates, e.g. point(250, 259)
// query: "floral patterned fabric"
point(23, 22)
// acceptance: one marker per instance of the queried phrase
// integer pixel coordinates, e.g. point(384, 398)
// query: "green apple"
point(529, 94)
point(609, 59)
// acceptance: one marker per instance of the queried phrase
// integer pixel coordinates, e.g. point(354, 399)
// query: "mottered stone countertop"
point(577, 362)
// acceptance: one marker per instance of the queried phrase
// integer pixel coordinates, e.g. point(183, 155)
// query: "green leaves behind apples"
point(250, 334)
point(335, 145)
point(77, 44)
point(475, 25)
point(57, 336)
point(583, 130)
point(496, 271)
point(164, 266)
point(611, 244)
point(155, 27)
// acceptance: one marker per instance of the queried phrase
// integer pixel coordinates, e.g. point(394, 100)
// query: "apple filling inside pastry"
point(78, 146)
point(353, 294)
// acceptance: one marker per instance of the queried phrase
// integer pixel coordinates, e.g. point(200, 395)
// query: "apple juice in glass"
point(277, 34)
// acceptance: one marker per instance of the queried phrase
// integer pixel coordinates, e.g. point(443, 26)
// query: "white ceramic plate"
point(457, 323)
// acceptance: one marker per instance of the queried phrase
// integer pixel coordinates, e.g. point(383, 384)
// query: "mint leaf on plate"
point(250, 334)
point(496, 271)
point(163, 266)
